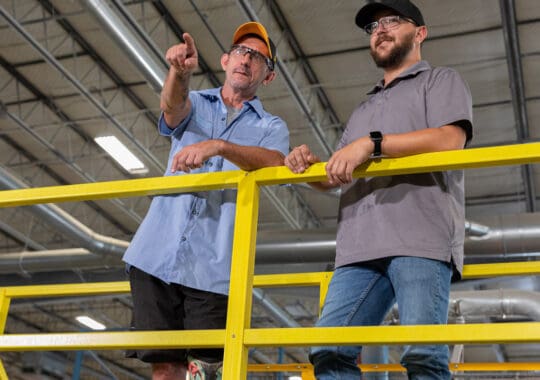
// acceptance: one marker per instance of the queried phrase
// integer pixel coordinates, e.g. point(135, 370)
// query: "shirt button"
point(183, 238)
point(222, 119)
point(210, 164)
point(195, 212)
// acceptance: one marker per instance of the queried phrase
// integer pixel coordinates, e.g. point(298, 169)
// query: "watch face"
point(375, 135)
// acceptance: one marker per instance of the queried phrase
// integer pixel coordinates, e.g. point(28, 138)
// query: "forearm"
point(448, 137)
point(174, 101)
point(250, 157)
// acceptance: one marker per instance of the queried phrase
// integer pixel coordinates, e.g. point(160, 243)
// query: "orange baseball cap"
point(257, 29)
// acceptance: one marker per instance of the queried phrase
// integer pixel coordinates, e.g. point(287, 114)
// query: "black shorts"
point(158, 305)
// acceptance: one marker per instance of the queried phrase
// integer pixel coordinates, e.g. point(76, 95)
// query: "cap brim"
point(258, 30)
point(366, 13)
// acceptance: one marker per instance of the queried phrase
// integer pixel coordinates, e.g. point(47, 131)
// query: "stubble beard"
point(396, 56)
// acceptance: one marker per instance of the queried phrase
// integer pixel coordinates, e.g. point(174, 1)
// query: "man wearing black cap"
point(399, 238)
point(179, 260)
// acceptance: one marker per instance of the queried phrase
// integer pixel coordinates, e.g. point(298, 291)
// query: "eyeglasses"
point(259, 58)
point(387, 23)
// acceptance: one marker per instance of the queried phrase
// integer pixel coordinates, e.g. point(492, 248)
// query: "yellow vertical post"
point(3, 373)
point(307, 374)
point(323, 288)
point(4, 307)
point(241, 286)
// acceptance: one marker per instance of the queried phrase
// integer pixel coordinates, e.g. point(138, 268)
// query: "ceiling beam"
point(517, 88)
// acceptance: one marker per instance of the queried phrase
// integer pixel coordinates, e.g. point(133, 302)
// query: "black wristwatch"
point(376, 137)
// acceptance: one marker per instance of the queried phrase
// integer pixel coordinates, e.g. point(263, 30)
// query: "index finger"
point(190, 43)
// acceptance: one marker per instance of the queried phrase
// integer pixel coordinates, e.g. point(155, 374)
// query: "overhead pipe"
point(284, 318)
point(507, 236)
point(500, 303)
point(66, 224)
point(17, 235)
point(76, 168)
point(48, 57)
point(277, 312)
point(154, 71)
point(141, 33)
point(481, 304)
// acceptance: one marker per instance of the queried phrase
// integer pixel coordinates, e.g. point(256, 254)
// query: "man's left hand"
point(341, 165)
point(193, 156)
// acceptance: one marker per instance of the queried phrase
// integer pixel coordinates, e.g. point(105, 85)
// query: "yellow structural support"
point(456, 367)
point(238, 335)
point(504, 269)
point(420, 163)
point(488, 333)
point(241, 285)
point(427, 162)
point(113, 340)
point(126, 188)
point(3, 374)
point(4, 308)
point(67, 290)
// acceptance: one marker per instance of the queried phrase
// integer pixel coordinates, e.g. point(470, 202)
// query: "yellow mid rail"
point(238, 336)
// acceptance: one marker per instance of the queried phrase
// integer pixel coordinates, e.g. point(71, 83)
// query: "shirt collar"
point(215, 94)
point(411, 71)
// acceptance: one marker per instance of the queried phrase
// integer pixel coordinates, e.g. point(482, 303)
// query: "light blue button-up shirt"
point(187, 238)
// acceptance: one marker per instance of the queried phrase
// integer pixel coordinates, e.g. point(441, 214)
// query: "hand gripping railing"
point(238, 335)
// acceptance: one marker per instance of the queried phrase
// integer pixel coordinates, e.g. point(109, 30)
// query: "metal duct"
point(49, 58)
point(284, 318)
point(53, 260)
point(153, 71)
point(481, 304)
point(280, 315)
point(66, 224)
point(501, 303)
point(514, 235)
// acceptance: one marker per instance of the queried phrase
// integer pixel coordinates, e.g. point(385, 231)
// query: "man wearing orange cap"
point(179, 259)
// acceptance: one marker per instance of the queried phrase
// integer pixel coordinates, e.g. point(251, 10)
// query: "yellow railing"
point(238, 336)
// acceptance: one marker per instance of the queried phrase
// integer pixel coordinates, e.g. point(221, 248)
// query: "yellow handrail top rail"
point(427, 162)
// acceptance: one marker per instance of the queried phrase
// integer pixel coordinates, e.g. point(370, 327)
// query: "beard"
point(397, 55)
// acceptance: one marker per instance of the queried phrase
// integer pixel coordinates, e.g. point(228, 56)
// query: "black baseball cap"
point(404, 7)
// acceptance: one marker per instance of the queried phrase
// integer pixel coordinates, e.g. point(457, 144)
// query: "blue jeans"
point(362, 294)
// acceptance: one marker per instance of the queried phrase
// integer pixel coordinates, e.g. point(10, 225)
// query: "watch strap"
point(376, 137)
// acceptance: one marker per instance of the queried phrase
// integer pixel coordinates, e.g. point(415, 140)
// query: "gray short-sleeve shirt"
point(408, 215)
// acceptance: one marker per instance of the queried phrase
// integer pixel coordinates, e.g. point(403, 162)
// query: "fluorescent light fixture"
point(121, 154)
point(295, 378)
point(89, 322)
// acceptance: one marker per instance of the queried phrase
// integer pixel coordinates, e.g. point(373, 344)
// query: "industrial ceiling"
point(74, 70)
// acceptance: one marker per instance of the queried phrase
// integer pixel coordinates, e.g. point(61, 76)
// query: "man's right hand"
point(183, 57)
point(300, 158)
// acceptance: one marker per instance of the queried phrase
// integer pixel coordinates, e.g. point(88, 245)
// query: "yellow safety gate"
point(238, 336)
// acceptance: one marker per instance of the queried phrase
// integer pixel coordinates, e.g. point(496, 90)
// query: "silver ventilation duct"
point(66, 224)
point(500, 303)
point(515, 235)
point(154, 71)
point(479, 305)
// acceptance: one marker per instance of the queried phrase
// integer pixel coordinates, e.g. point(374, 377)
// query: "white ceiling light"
point(89, 322)
point(121, 154)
